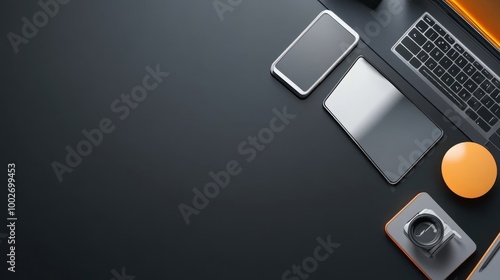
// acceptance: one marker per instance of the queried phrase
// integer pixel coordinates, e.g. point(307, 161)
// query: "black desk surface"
point(119, 207)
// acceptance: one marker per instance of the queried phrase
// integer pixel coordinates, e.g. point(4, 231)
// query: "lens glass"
point(425, 232)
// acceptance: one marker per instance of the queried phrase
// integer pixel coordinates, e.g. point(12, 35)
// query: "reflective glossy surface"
point(391, 131)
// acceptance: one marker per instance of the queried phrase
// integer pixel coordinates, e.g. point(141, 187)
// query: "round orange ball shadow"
point(469, 170)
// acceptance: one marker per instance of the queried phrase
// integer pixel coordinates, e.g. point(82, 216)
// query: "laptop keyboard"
point(430, 50)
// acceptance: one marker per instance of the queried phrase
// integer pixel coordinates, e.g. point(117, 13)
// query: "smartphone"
point(390, 130)
point(314, 54)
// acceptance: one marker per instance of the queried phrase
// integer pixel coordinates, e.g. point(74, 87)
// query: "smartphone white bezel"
point(287, 81)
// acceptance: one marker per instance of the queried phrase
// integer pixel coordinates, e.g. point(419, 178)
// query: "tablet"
point(390, 130)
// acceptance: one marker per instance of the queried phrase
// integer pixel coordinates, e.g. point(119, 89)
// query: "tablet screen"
point(392, 132)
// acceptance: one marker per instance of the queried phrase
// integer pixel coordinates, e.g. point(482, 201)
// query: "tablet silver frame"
point(359, 145)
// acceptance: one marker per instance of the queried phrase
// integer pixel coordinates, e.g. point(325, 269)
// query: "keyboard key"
point(417, 37)
point(445, 62)
point(442, 45)
point(479, 94)
point(456, 87)
point(449, 39)
point(447, 79)
point(459, 48)
point(454, 70)
point(406, 54)
point(410, 45)
point(487, 101)
point(431, 64)
point(461, 62)
point(422, 26)
point(470, 85)
point(464, 95)
point(469, 70)
point(487, 74)
point(471, 114)
point(415, 62)
point(441, 87)
point(496, 95)
point(428, 20)
point(428, 46)
point(439, 29)
point(496, 83)
point(422, 56)
point(478, 78)
point(474, 104)
point(461, 78)
point(487, 116)
point(483, 125)
point(487, 86)
point(478, 66)
point(438, 71)
point(453, 54)
point(468, 57)
point(493, 121)
point(495, 109)
point(431, 35)
point(436, 54)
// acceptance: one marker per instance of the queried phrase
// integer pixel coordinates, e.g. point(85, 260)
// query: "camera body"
point(429, 232)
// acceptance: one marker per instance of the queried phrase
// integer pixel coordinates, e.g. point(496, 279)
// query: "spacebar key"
point(435, 81)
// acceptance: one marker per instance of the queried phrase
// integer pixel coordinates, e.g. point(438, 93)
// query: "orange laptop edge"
point(482, 15)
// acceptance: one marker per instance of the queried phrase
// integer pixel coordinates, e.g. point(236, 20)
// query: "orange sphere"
point(469, 170)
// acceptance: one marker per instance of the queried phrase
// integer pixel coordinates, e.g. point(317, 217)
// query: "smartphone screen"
point(392, 132)
point(312, 56)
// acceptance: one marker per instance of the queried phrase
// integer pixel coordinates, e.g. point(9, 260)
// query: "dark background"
point(119, 207)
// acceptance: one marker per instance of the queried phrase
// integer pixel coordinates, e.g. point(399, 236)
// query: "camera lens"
point(426, 231)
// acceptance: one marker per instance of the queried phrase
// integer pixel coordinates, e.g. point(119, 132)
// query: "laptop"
point(450, 51)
